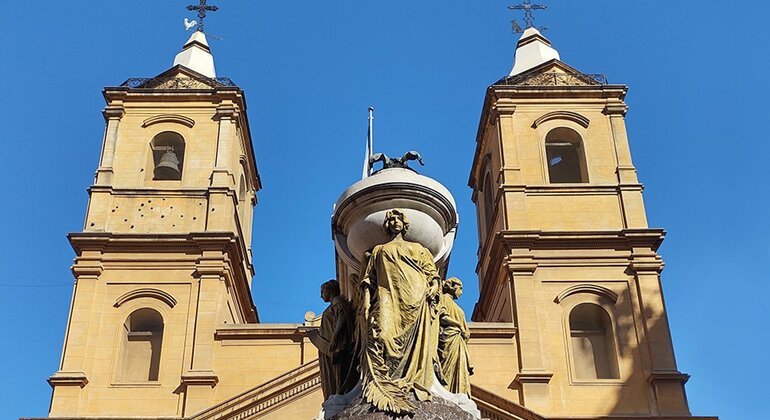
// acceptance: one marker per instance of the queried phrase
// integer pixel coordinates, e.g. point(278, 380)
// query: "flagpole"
point(367, 171)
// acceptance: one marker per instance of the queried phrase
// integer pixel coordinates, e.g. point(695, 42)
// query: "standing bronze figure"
point(453, 340)
point(399, 290)
point(334, 341)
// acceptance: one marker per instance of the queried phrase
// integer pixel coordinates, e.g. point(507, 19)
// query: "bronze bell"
point(168, 167)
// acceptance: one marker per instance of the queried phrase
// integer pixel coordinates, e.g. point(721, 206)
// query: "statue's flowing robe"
point(453, 347)
point(402, 336)
point(338, 370)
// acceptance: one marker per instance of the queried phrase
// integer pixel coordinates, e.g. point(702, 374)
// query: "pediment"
point(553, 73)
point(176, 78)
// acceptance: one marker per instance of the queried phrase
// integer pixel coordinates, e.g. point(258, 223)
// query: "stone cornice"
point(528, 377)
point(668, 376)
point(616, 109)
point(113, 112)
point(536, 239)
point(492, 330)
point(204, 378)
point(295, 332)
point(546, 93)
point(226, 112)
point(292, 332)
point(68, 378)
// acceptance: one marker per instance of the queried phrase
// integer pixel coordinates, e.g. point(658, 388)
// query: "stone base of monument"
point(437, 409)
point(444, 406)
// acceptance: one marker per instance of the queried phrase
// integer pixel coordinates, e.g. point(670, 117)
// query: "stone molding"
point(587, 288)
point(562, 115)
point(668, 376)
point(113, 112)
point(68, 378)
point(482, 330)
point(533, 377)
point(169, 118)
point(203, 377)
point(296, 332)
point(226, 112)
point(616, 109)
point(147, 292)
point(647, 266)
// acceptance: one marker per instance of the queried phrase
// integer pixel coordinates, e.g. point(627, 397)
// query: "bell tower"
point(164, 256)
point(565, 252)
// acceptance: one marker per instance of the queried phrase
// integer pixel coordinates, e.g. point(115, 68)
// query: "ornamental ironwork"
point(202, 8)
point(529, 18)
point(183, 83)
point(554, 79)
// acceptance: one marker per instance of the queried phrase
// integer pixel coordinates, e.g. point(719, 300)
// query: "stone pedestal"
point(438, 409)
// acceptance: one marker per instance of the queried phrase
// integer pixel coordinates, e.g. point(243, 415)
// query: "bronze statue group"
point(400, 331)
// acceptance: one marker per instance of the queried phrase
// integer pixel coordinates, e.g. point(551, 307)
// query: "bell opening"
point(168, 156)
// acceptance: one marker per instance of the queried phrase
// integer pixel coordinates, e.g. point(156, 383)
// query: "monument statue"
point(334, 340)
point(453, 340)
point(400, 294)
point(402, 162)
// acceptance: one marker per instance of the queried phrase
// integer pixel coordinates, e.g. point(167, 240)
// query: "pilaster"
point(534, 374)
point(662, 374)
point(200, 379)
point(222, 175)
point(112, 115)
point(634, 215)
point(69, 381)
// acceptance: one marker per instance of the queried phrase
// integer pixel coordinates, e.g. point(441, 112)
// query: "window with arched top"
point(142, 338)
point(593, 343)
point(565, 156)
point(168, 150)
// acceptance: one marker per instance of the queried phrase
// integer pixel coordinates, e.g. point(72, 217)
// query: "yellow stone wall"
point(546, 238)
point(181, 248)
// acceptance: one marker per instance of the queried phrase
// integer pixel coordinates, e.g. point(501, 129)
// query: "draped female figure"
point(399, 293)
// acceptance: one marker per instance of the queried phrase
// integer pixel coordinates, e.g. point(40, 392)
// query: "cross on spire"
point(202, 8)
point(527, 7)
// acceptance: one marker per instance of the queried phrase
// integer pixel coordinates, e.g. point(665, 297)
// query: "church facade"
point(570, 322)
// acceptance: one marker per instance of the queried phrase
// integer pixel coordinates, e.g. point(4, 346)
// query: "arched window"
point(167, 156)
point(141, 344)
point(565, 156)
point(489, 202)
point(593, 343)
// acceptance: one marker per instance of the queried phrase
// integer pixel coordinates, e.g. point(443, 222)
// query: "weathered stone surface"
point(437, 409)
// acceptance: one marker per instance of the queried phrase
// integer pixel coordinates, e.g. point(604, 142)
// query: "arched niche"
point(140, 346)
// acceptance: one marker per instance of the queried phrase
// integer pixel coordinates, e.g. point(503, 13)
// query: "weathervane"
point(529, 19)
point(202, 8)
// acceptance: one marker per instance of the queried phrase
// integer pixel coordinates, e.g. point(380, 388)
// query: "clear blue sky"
point(698, 124)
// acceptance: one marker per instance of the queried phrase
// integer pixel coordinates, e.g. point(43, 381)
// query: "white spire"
point(196, 55)
point(532, 50)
